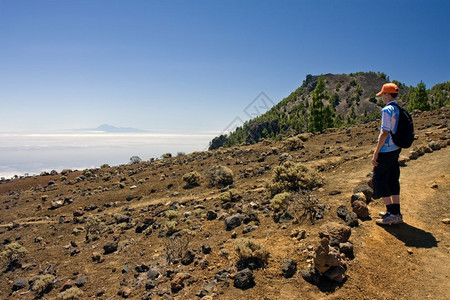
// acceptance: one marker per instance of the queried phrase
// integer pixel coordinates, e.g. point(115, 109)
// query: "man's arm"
point(381, 139)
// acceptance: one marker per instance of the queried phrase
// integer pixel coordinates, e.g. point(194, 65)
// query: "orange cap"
point(390, 88)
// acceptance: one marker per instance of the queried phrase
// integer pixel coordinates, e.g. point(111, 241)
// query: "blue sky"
point(193, 66)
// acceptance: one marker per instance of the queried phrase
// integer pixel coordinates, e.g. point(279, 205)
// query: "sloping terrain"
point(133, 212)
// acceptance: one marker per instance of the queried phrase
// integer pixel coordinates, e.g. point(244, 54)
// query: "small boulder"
point(335, 232)
point(336, 273)
point(211, 215)
point(122, 218)
point(140, 227)
point(125, 292)
point(363, 187)
point(434, 145)
point(285, 217)
point(208, 288)
point(244, 279)
point(125, 269)
point(311, 275)
point(81, 281)
point(342, 211)
point(110, 247)
point(152, 273)
point(361, 209)
point(249, 228)
point(78, 212)
point(150, 284)
point(289, 268)
point(403, 160)
point(351, 219)
point(347, 249)
point(141, 268)
point(427, 149)
point(326, 256)
point(206, 249)
point(413, 155)
point(358, 197)
point(178, 281)
point(19, 284)
point(233, 221)
point(188, 257)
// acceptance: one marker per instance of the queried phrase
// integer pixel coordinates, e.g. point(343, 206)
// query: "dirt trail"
point(409, 261)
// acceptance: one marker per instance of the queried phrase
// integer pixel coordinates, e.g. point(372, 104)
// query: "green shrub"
point(166, 155)
point(220, 176)
point(135, 159)
point(172, 214)
point(13, 253)
point(43, 284)
point(171, 225)
point(93, 226)
point(87, 173)
point(292, 144)
point(293, 177)
point(247, 250)
point(192, 178)
point(230, 196)
point(281, 201)
point(73, 293)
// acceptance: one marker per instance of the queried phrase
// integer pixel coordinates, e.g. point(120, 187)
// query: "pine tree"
point(418, 98)
point(317, 118)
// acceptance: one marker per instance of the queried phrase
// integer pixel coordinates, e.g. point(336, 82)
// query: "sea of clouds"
point(22, 153)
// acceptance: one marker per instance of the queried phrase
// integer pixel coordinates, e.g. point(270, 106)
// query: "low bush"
point(172, 214)
point(232, 195)
point(166, 155)
point(192, 178)
point(92, 226)
point(281, 201)
point(293, 177)
point(43, 284)
point(135, 159)
point(73, 293)
point(12, 254)
point(220, 176)
point(250, 254)
point(175, 247)
point(293, 143)
point(305, 207)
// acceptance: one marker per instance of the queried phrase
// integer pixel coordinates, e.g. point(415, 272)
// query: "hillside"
point(139, 231)
point(351, 99)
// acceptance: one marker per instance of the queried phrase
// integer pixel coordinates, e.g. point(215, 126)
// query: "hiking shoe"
point(383, 213)
point(390, 219)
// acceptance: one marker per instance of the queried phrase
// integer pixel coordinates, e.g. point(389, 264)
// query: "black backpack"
point(404, 136)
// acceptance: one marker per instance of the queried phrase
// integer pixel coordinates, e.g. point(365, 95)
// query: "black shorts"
point(386, 175)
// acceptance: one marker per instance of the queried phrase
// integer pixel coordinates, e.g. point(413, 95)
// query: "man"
point(386, 172)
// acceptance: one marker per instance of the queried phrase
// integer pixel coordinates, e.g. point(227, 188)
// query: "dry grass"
point(304, 207)
point(175, 247)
